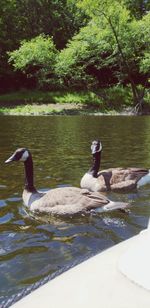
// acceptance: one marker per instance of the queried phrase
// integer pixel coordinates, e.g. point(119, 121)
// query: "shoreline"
point(37, 103)
point(64, 109)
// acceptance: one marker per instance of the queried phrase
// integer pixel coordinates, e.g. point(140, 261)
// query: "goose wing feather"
point(68, 200)
point(120, 178)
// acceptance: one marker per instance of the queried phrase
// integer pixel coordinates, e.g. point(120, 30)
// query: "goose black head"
point(96, 146)
point(19, 155)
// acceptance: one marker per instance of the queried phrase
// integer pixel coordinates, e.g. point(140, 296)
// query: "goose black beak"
point(10, 159)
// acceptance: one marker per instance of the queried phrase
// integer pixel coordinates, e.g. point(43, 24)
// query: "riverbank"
point(60, 109)
point(65, 103)
point(47, 103)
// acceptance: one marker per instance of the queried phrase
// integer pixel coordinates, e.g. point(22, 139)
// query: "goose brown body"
point(114, 179)
point(60, 201)
point(120, 178)
point(66, 200)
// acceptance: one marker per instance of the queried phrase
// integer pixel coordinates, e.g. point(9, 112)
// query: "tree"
point(78, 64)
point(112, 39)
point(35, 58)
point(26, 19)
point(126, 34)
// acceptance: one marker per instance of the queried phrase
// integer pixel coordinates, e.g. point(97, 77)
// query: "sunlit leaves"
point(112, 39)
point(38, 51)
point(35, 57)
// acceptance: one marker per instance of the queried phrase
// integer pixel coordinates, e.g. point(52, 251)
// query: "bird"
point(112, 179)
point(60, 201)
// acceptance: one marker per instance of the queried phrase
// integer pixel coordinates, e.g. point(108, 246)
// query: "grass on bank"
point(37, 102)
point(38, 97)
point(27, 110)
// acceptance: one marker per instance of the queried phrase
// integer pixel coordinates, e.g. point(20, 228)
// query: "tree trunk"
point(138, 99)
point(134, 91)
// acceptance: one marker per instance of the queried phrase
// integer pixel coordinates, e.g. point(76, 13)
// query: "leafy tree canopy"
point(98, 42)
point(35, 57)
point(112, 39)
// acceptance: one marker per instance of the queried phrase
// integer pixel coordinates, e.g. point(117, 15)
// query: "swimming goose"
point(115, 179)
point(60, 201)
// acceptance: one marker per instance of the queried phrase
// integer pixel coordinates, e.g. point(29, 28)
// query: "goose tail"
point(144, 180)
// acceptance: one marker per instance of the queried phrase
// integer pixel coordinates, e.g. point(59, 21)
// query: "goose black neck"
point(28, 164)
point(96, 164)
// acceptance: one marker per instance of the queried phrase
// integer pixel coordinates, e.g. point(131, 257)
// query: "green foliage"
point(111, 40)
point(138, 8)
point(35, 57)
point(39, 103)
point(39, 97)
point(147, 97)
point(144, 36)
point(145, 63)
point(25, 19)
point(85, 98)
point(70, 65)
point(82, 51)
point(38, 51)
point(99, 43)
point(117, 97)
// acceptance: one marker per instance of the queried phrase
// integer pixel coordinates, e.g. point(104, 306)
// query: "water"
point(34, 246)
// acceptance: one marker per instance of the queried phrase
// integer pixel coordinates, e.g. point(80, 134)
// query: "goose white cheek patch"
point(100, 147)
point(24, 156)
point(93, 148)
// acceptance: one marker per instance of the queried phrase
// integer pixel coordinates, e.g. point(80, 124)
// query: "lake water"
point(34, 246)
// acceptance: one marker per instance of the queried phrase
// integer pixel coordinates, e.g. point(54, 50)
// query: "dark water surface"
point(31, 247)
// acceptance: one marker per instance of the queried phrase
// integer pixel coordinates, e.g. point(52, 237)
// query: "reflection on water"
point(33, 246)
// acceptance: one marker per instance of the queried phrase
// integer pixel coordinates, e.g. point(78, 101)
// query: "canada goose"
point(60, 201)
point(115, 179)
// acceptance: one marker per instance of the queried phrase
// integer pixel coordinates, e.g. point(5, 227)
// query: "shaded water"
point(31, 246)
